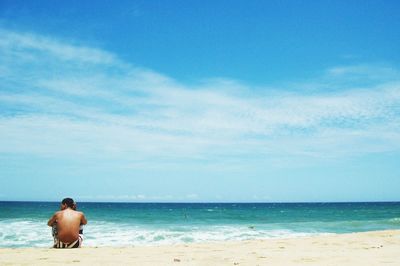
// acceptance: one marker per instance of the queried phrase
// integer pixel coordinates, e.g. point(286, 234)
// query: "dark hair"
point(69, 202)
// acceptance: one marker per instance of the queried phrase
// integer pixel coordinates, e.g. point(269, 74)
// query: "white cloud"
point(24, 46)
point(98, 106)
point(370, 71)
point(128, 198)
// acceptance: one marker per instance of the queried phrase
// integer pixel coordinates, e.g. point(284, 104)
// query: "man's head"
point(67, 203)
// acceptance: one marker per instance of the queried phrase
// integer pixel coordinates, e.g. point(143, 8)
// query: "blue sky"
point(200, 100)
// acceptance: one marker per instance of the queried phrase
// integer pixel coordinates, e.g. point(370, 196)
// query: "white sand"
point(370, 248)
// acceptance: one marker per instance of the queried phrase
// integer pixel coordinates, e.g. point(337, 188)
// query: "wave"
point(395, 221)
point(101, 234)
point(17, 233)
point(35, 232)
point(22, 233)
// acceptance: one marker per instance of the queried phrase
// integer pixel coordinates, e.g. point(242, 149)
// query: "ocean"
point(23, 224)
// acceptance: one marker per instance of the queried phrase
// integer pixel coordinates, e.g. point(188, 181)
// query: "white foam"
point(100, 234)
point(19, 233)
point(395, 220)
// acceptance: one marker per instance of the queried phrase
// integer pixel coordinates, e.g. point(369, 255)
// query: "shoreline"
point(365, 248)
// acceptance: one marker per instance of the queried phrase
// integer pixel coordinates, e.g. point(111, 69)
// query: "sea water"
point(23, 224)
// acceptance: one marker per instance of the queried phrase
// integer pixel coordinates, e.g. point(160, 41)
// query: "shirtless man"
point(67, 222)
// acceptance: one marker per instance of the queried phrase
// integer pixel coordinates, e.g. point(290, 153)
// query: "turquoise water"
point(23, 224)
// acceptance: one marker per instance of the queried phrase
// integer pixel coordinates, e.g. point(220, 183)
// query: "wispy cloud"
point(137, 198)
point(378, 71)
point(59, 99)
point(22, 46)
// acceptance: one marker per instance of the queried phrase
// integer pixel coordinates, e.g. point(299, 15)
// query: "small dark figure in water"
point(67, 224)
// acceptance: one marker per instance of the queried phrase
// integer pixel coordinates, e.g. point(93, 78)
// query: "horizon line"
point(213, 202)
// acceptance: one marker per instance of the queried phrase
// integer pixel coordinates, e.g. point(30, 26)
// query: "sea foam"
point(19, 233)
point(23, 224)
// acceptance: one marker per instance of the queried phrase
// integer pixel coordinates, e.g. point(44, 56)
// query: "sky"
point(200, 101)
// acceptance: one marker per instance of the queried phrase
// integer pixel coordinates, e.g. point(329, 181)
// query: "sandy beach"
point(369, 248)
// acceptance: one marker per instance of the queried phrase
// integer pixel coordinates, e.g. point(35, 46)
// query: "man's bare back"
point(68, 222)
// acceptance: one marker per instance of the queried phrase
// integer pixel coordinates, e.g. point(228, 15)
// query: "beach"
point(200, 132)
point(365, 248)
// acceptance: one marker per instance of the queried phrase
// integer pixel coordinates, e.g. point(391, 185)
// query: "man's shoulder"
point(57, 214)
point(79, 212)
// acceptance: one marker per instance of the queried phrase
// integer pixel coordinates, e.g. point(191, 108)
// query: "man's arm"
point(83, 219)
point(52, 220)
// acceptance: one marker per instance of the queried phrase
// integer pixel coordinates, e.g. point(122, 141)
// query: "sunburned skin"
point(68, 223)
